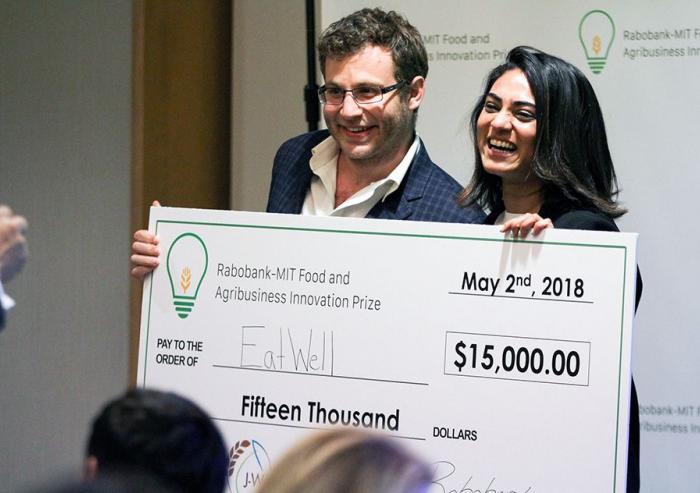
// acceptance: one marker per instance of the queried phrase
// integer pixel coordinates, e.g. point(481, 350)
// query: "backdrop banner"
point(643, 59)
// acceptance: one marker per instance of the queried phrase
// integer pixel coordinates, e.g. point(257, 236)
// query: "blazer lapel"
point(400, 204)
point(298, 185)
point(294, 175)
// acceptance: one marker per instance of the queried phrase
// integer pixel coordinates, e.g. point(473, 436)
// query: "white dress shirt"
point(320, 198)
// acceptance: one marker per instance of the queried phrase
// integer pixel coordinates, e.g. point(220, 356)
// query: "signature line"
point(298, 426)
point(366, 379)
point(519, 297)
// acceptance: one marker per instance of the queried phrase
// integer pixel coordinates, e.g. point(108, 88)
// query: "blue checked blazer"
point(427, 193)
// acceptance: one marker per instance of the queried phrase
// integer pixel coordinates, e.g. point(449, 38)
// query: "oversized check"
point(504, 362)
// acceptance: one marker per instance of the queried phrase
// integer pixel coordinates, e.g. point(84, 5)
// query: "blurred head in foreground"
point(348, 461)
point(109, 483)
point(160, 434)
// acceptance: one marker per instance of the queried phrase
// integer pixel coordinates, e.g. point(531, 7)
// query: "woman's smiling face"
point(506, 128)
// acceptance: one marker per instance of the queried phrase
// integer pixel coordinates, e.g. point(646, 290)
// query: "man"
point(13, 253)
point(158, 434)
point(370, 162)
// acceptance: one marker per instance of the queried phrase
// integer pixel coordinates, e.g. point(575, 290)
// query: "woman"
point(542, 160)
point(347, 460)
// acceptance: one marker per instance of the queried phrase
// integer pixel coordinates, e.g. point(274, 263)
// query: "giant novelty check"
point(504, 362)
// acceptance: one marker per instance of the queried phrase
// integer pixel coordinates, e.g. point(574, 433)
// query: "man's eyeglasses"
point(361, 94)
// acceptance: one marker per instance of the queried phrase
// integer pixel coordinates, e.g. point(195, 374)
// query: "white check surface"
point(506, 363)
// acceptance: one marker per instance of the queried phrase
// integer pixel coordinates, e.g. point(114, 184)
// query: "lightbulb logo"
point(596, 32)
point(247, 463)
point(187, 264)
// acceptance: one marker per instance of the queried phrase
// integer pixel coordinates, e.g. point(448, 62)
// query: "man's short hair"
point(161, 434)
point(375, 27)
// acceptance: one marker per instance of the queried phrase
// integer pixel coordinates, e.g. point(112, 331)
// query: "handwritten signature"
point(444, 470)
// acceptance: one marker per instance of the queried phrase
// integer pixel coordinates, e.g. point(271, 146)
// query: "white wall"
point(65, 96)
point(269, 74)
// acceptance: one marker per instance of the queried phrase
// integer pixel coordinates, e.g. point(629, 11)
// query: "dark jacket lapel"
point(400, 204)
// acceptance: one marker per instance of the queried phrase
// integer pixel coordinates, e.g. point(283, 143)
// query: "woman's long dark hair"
point(571, 157)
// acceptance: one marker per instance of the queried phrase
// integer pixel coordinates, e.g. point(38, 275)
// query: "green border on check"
point(414, 235)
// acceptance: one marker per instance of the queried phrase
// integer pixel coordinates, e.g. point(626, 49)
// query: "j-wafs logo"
point(187, 264)
point(596, 31)
point(247, 463)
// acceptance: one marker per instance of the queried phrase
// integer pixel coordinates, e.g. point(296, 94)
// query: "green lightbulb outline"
point(596, 63)
point(183, 303)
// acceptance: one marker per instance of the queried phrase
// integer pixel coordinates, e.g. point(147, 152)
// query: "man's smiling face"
point(374, 133)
